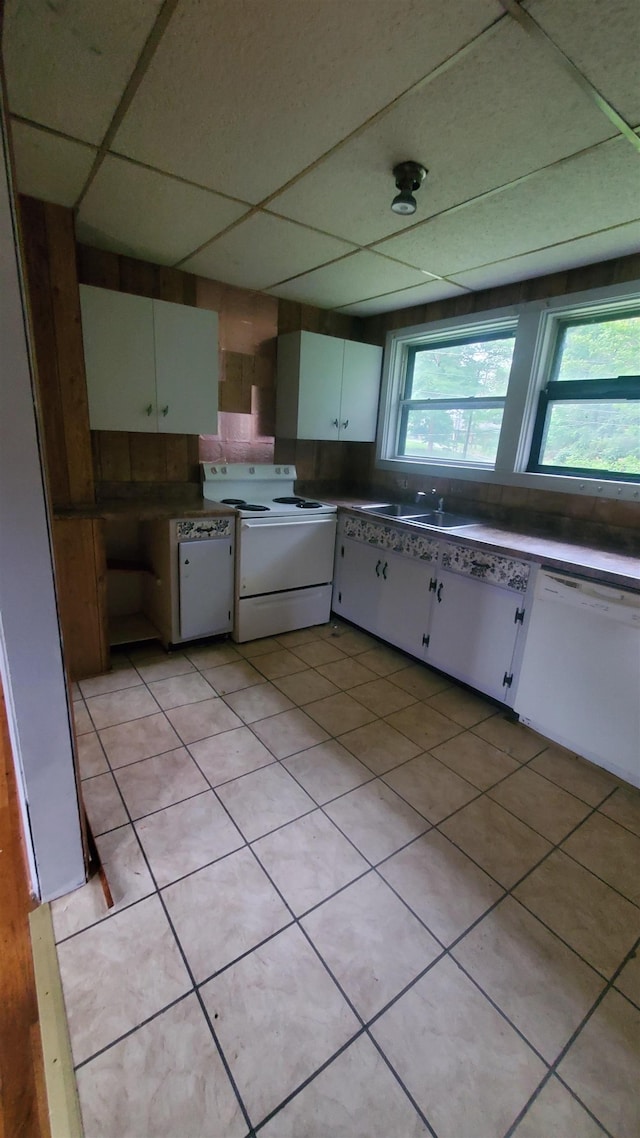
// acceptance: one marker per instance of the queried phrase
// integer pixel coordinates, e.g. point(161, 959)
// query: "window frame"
point(406, 404)
point(555, 391)
point(536, 323)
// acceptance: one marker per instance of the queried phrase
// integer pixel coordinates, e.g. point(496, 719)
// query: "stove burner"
point(309, 505)
point(233, 501)
point(254, 507)
point(294, 501)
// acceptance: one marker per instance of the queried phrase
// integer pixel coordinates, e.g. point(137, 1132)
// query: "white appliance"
point(580, 677)
point(189, 593)
point(284, 548)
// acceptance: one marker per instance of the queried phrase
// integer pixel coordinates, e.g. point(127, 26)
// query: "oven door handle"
point(327, 519)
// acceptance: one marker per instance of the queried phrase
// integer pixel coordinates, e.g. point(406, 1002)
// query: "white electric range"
point(284, 548)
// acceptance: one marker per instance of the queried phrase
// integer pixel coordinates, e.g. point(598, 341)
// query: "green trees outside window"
point(588, 418)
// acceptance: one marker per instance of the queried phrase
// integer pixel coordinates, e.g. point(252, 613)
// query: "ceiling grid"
point(253, 143)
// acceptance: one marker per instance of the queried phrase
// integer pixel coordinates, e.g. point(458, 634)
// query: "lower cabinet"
point(190, 591)
point(384, 592)
point(456, 607)
point(473, 632)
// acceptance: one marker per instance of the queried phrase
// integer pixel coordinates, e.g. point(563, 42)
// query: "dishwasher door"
point(580, 677)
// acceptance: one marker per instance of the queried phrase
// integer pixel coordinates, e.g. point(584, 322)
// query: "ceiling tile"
point(242, 96)
point(603, 40)
point(407, 298)
point(615, 242)
point(265, 250)
point(49, 167)
point(574, 198)
point(67, 64)
point(355, 278)
point(503, 110)
point(136, 211)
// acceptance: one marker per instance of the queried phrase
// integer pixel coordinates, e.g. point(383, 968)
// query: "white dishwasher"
point(580, 677)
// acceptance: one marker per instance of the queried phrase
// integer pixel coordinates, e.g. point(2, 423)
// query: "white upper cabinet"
point(117, 330)
point(361, 370)
point(327, 388)
point(186, 346)
point(151, 365)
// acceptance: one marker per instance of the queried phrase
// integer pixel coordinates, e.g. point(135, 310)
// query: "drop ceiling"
point(252, 141)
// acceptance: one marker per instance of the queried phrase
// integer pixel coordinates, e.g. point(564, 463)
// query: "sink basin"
point(443, 520)
point(394, 509)
point(438, 519)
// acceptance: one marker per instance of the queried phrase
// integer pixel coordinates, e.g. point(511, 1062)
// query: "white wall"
point(31, 663)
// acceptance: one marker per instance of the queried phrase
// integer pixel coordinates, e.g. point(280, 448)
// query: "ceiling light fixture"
point(409, 177)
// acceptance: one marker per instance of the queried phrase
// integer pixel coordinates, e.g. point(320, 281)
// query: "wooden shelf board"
point(122, 565)
point(131, 628)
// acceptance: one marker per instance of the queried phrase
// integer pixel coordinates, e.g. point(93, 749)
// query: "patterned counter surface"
point(603, 565)
point(137, 509)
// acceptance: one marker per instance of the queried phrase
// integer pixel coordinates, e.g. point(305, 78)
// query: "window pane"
point(602, 350)
point(593, 435)
point(452, 370)
point(462, 434)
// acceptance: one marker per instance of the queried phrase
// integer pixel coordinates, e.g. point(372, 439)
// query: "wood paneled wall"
point(616, 271)
point(50, 260)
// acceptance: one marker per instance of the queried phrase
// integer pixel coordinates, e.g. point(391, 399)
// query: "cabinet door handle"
point(439, 593)
point(345, 424)
point(378, 568)
point(165, 410)
point(335, 423)
point(149, 408)
point(384, 569)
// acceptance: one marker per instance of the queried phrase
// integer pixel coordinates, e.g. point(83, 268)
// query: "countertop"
point(603, 565)
point(143, 510)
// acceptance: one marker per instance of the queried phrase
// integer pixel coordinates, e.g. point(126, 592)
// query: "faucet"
point(422, 496)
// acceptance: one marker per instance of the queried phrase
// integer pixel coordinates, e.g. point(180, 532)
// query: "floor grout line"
point(189, 971)
point(553, 1067)
point(371, 867)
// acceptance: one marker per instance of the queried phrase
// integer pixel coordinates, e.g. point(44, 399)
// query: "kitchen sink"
point(438, 519)
point(395, 509)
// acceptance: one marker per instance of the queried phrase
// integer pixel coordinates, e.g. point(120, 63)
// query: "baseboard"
point(65, 1119)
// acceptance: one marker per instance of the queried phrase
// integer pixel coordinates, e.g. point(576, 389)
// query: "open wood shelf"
point(130, 629)
point(127, 565)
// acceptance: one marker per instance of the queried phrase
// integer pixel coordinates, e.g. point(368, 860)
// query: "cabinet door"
point(360, 391)
point(406, 602)
point(473, 632)
point(117, 330)
point(206, 586)
point(186, 360)
point(320, 385)
point(358, 583)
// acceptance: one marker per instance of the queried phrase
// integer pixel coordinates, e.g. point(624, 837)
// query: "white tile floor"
point(353, 900)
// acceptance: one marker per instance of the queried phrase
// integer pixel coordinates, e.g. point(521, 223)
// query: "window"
point(588, 419)
point(542, 394)
point(454, 396)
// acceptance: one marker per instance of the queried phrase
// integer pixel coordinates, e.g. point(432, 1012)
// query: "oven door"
point(282, 553)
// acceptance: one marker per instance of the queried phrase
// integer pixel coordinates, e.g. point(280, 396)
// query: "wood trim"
point(70, 351)
point(36, 262)
point(80, 566)
point(48, 248)
point(62, 1093)
point(24, 1109)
